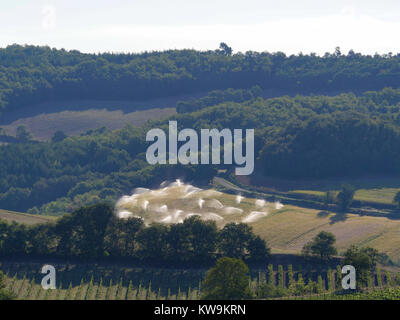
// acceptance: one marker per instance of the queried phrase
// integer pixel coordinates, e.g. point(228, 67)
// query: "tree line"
point(94, 232)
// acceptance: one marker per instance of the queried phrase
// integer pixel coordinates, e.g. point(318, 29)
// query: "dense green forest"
point(30, 74)
point(95, 232)
point(301, 136)
point(218, 96)
point(313, 136)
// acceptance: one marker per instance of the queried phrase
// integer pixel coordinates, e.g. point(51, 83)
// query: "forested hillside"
point(314, 136)
point(303, 136)
point(30, 74)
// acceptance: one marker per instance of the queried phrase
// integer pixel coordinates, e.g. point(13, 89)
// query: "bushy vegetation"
point(364, 261)
point(227, 280)
point(374, 294)
point(4, 293)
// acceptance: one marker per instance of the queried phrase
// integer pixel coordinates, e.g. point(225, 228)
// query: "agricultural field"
point(24, 217)
point(288, 229)
point(73, 123)
point(105, 282)
point(378, 195)
point(96, 282)
point(371, 189)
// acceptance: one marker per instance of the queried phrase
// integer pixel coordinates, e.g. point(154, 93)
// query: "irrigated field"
point(286, 228)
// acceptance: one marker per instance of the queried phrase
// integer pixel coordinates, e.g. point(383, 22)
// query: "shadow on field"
point(338, 217)
point(323, 214)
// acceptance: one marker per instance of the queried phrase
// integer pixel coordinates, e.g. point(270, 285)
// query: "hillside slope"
point(25, 218)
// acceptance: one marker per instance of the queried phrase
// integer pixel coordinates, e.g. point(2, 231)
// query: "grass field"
point(378, 195)
point(77, 116)
point(73, 123)
point(372, 189)
point(24, 217)
point(288, 229)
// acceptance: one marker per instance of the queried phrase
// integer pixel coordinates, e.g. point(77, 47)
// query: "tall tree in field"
point(345, 197)
point(228, 280)
point(322, 245)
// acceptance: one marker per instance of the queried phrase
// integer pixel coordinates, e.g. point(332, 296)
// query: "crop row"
point(94, 282)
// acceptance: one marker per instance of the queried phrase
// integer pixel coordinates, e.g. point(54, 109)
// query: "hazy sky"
point(261, 25)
